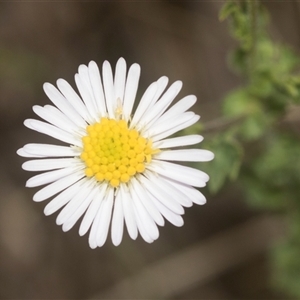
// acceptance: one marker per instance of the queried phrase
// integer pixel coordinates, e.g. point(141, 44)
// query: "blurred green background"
point(223, 250)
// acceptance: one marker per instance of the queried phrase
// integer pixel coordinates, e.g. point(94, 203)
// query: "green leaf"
point(254, 126)
point(260, 194)
point(286, 261)
point(240, 102)
point(228, 8)
point(226, 164)
point(280, 162)
point(272, 180)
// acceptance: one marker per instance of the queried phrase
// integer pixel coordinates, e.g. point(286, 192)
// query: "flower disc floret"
point(113, 152)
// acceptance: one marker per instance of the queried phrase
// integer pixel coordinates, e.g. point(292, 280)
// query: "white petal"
point(83, 204)
point(93, 231)
point(54, 116)
point(193, 194)
point(106, 213)
point(48, 164)
point(117, 224)
point(159, 108)
point(183, 174)
point(23, 153)
point(146, 201)
point(68, 224)
point(120, 77)
point(84, 86)
point(162, 82)
point(79, 131)
point(173, 218)
point(173, 193)
point(128, 212)
point(131, 87)
point(161, 195)
point(52, 131)
point(144, 105)
point(84, 75)
point(93, 209)
point(60, 102)
point(177, 127)
point(57, 186)
point(177, 109)
point(51, 176)
point(170, 124)
point(108, 85)
point(95, 226)
point(97, 88)
point(179, 141)
point(141, 226)
point(73, 98)
point(62, 198)
point(181, 198)
point(46, 150)
point(185, 155)
point(144, 215)
point(77, 199)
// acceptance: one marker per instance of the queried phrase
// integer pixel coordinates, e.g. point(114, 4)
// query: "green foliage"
point(254, 149)
point(241, 103)
point(286, 260)
point(272, 180)
point(226, 164)
point(229, 8)
point(279, 164)
point(240, 18)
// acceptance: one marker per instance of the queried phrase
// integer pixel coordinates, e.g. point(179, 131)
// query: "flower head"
point(118, 164)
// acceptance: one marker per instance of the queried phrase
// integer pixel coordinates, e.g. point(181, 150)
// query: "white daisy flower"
point(117, 165)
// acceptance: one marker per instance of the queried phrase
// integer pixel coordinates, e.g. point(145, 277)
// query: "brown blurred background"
point(222, 250)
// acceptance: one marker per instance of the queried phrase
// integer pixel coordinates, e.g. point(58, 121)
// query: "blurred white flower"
point(114, 166)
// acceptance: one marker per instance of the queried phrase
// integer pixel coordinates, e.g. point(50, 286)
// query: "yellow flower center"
point(113, 152)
